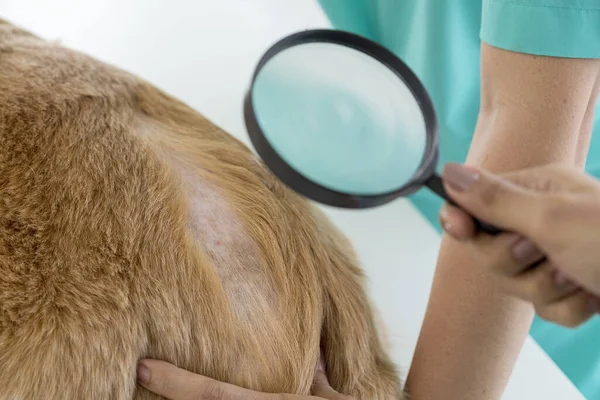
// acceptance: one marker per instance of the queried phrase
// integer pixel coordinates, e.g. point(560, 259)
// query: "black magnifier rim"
point(307, 187)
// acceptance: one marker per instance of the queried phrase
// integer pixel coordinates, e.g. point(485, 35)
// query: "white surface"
point(204, 51)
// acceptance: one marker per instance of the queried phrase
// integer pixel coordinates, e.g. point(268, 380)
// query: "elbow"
point(534, 110)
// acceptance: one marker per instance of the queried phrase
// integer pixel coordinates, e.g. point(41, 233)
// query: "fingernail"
point(143, 373)
point(459, 177)
point(525, 250)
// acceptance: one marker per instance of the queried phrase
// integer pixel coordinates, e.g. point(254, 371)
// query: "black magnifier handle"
point(436, 185)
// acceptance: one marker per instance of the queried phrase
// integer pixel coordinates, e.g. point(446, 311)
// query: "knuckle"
point(166, 384)
point(563, 314)
point(489, 194)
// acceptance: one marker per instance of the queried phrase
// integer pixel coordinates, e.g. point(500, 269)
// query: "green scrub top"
point(440, 41)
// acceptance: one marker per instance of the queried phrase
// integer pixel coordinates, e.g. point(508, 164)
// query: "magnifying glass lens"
point(340, 118)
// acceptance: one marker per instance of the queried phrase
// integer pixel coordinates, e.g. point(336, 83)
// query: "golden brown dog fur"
point(132, 227)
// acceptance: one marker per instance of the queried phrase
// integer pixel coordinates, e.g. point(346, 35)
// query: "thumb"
point(493, 199)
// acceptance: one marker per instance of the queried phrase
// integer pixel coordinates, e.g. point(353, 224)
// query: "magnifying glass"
point(343, 121)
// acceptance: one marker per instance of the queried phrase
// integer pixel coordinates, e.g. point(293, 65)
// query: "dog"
point(132, 227)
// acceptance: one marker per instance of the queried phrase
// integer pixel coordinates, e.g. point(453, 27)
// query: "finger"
point(541, 285)
point(457, 223)
point(322, 389)
point(506, 255)
point(493, 199)
point(571, 311)
point(174, 383)
point(177, 384)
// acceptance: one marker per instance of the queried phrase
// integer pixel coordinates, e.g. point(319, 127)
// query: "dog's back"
point(132, 227)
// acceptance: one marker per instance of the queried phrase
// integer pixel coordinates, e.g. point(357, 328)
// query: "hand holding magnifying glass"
point(554, 211)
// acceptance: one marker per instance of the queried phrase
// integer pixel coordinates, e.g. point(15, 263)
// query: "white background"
point(203, 52)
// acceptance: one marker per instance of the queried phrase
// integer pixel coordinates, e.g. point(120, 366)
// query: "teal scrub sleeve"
point(558, 28)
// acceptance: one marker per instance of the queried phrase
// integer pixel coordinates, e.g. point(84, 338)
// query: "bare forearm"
point(534, 111)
